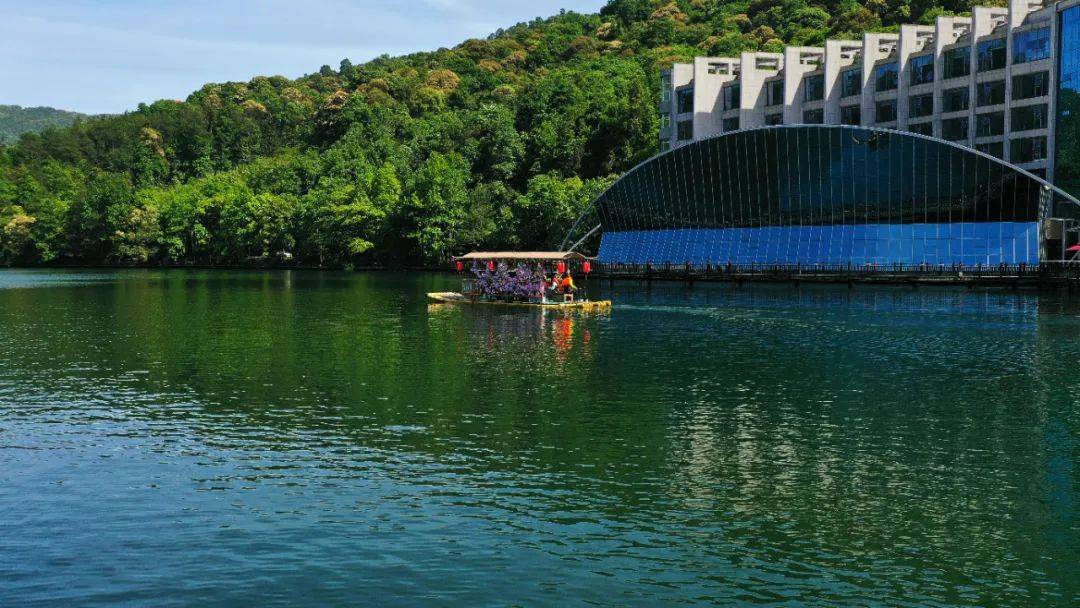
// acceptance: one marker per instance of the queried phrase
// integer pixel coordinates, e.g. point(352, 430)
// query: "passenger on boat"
point(567, 284)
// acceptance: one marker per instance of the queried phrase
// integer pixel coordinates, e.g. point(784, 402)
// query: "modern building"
point(953, 145)
point(832, 195)
point(1004, 81)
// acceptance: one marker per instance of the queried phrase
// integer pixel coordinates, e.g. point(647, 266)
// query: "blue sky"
point(108, 55)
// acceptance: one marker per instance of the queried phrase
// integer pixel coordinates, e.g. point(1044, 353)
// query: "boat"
point(453, 297)
point(537, 279)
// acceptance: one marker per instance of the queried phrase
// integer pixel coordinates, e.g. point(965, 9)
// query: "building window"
point(813, 117)
point(665, 146)
point(920, 105)
point(922, 128)
point(1026, 118)
point(774, 93)
point(885, 111)
point(991, 54)
point(1031, 45)
point(989, 93)
point(990, 124)
point(851, 115)
point(685, 130)
point(1027, 149)
point(885, 76)
point(922, 69)
point(996, 148)
point(957, 62)
point(665, 88)
point(814, 88)
point(1026, 86)
point(954, 129)
point(717, 68)
point(731, 124)
point(1067, 118)
point(684, 101)
point(665, 121)
point(774, 119)
point(850, 82)
point(955, 100)
point(732, 92)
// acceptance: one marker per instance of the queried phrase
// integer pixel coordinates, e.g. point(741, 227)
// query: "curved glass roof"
point(849, 183)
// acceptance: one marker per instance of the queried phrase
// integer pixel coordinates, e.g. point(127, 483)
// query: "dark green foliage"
point(500, 142)
point(15, 120)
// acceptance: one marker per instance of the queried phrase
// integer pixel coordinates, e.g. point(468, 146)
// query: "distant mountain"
point(16, 120)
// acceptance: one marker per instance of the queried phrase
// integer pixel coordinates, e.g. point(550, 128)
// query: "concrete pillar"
point(837, 56)
point(707, 102)
point(945, 33)
point(983, 22)
point(754, 68)
point(682, 75)
point(911, 42)
point(794, 69)
point(871, 53)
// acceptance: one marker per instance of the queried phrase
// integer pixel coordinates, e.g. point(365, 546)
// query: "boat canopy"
point(523, 255)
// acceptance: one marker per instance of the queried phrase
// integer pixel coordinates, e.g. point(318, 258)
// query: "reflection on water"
point(322, 438)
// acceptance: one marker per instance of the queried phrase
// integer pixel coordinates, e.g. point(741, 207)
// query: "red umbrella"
point(1074, 248)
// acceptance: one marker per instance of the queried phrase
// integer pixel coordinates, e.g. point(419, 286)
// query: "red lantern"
point(561, 267)
point(491, 265)
point(460, 266)
point(586, 267)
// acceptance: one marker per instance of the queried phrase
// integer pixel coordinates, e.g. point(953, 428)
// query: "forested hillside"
point(16, 120)
point(496, 143)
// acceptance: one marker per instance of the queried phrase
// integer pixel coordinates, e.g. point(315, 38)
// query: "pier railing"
point(1045, 272)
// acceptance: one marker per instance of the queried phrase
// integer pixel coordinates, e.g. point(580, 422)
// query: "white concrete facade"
point(1009, 105)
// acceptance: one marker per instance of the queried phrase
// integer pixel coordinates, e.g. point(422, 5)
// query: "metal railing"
point(732, 270)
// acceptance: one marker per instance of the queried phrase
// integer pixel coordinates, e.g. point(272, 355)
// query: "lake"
point(302, 438)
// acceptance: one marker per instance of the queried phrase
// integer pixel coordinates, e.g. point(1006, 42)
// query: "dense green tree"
point(438, 205)
point(497, 142)
point(16, 235)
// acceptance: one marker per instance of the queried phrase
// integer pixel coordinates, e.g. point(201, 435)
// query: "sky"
point(107, 56)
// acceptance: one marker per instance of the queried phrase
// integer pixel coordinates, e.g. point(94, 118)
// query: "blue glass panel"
point(969, 244)
point(1067, 168)
point(836, 195)
point(1031, 45)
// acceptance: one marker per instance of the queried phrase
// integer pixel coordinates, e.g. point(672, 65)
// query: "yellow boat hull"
point(452, 297)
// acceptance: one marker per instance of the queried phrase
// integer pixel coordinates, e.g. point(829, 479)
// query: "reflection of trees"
point(340, 354)
point(872, 430)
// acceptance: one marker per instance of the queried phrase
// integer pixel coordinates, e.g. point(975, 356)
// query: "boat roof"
point(522, 255)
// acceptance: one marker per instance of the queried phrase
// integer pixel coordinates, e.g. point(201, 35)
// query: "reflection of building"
point(990, 81)
point(821, 194)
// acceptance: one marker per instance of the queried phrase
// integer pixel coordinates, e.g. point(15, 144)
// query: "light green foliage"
point(258, 226)
point(136, 233)
point(15, 235)
point(553, 203)
point(498, 142)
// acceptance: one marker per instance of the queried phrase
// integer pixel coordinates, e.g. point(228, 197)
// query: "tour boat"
point(540, 279)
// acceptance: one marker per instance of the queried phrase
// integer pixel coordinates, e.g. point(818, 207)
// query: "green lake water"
point(198, 438)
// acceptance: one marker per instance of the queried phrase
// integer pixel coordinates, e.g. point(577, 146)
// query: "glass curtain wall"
point(1067, 153)
point(822, 195)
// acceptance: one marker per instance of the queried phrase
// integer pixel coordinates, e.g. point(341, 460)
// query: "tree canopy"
point(496, 143)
